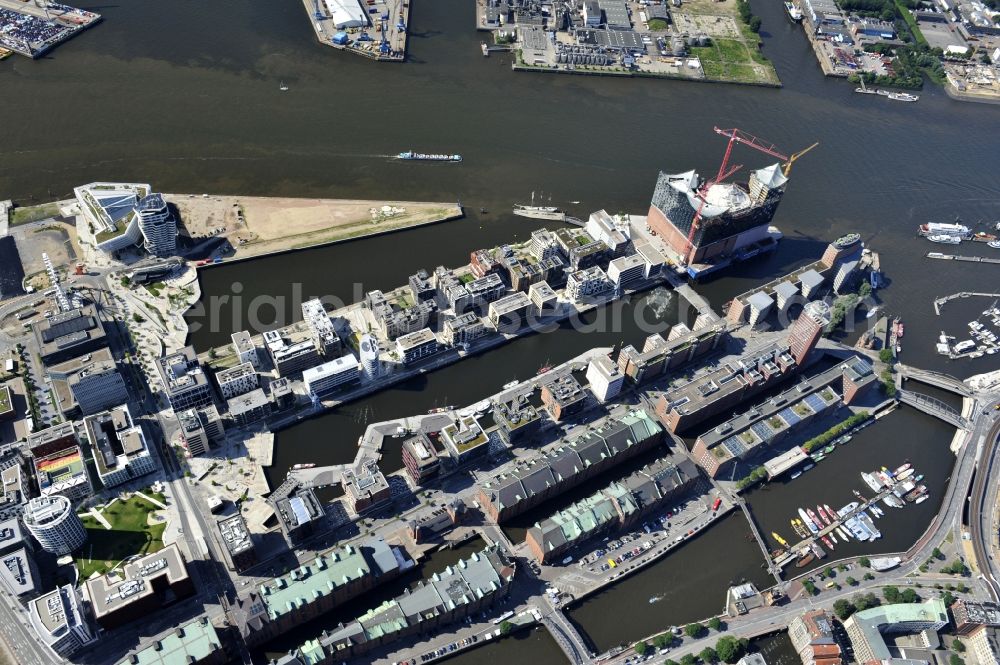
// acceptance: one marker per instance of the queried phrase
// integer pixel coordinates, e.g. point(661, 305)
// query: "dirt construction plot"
point(259, 225)
point(713, 26)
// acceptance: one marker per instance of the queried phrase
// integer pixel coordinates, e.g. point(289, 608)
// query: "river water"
point(186, 96)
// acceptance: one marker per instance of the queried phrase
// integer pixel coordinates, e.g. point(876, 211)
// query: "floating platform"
point(957, 257)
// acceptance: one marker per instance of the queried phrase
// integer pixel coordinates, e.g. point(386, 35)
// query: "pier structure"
point(772, 567)
point(938, 302)
point(959, 257)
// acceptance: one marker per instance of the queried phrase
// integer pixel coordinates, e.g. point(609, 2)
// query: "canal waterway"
point(685, 586)
point(203, 113)
point(215, 121)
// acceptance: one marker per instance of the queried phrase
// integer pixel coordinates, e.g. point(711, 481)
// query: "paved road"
point(983, 502)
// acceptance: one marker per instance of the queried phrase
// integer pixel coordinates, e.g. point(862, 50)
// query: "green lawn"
point(4, 399)
point(129, 535)
point(734, 60)
point(33, 213)
point(657, 24)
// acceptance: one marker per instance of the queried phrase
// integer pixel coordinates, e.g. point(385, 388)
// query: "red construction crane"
point(735, 136)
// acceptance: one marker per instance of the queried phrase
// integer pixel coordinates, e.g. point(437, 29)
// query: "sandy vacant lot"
point(258, 225)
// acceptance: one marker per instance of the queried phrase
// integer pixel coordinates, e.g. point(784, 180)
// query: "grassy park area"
point(130, 534)
point(734, 60)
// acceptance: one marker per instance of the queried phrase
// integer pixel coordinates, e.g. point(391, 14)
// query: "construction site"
point(708, 224)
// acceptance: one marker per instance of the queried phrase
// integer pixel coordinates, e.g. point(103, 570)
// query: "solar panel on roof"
point(789, 416)
point(815, 402)
point(762, 430)
point(734, 446)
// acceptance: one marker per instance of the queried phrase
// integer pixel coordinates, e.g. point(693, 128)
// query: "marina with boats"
point(956, 233)
point(984, 336)
point(821, 529)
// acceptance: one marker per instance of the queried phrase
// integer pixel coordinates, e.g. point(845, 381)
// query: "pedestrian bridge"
point(933, 407)
point(567, 637)
point(935, 379)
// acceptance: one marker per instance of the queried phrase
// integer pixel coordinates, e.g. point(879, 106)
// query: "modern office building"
point(110, 210)
point(465, 440)
point(54, 524)
point(238, 380)
point(626, 270)
point(250, 408)
point(420, 458)
point(569, 463)
point(246, 351)
point(813, 638)
point(968, 615)
point(806, 330)
point(139, 588)
point(60, 622)
point(14, 488)
point(119, 446)
point(298, 509)
point(544, 298)
point(282, 394)
point(290, 356)
point(844, 248)
point(416, 345)
point(393, 322)
point(158, 226)
point(88, 383)
point(331, 375)
point(58, 462)
point(199, 427)
point(543, 244)
point(612, 231)
point(727, 219)
point(866, 628)
point(984, 645)
point(618, 506)
point(517, 419)
point(510, 312)
point(370, 362)
point(314, 588)
point(420, 286)
point(463, 329)
point(365, 487)
point(237, 542)
point(563, 396)
point(18, 574)
point(184, 380)
point(321, 331)
point(69, 334)
point(586, 283)
point(605, 378)
point(470, 587)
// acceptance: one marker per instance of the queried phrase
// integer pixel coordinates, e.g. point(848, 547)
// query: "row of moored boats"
point(856, 520)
